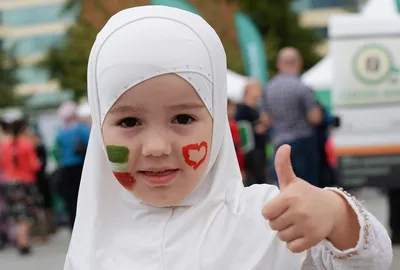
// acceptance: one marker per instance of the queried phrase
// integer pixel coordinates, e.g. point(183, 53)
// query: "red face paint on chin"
point(194, 149)
point(125, 179)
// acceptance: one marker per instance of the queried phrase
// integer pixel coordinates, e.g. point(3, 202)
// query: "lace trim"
point(366, 227)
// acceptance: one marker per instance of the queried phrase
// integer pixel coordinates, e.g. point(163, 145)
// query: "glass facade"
point(308, 6)
point(37, 15)
point(20, 18)
point(1, 23)
point(32, 74)
point(33, 45)
point(305, 5)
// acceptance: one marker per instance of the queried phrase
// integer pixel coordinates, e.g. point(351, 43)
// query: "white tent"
point(236, 84)
point(320, 77)
point(83, 110)
point(380, 8)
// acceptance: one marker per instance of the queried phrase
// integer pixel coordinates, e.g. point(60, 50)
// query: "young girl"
point(161, 188)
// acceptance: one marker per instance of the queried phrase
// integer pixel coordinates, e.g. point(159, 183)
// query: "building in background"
point(30, 28)
point(315, 14)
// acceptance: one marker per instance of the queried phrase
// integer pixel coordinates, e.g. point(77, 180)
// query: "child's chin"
point(160, 198)
point(163, 203)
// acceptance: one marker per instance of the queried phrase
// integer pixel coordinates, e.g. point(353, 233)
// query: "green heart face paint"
point(118, 157)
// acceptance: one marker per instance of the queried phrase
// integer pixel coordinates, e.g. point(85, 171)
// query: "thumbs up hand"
point(302, 214)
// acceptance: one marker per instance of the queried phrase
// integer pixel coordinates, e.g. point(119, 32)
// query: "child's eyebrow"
point(183, 106)
point(125, 109)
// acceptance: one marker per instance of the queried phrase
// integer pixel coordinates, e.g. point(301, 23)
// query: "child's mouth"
point(159, 178)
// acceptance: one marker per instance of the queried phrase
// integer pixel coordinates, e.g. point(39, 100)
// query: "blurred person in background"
point(3, 207)
point(394, 215)
point(71, 143)
point(327, 163)
point(255, 159)
point(294, 112)
point(332, 161)
point(43, 182)
point(237, 141)
point(20, 164)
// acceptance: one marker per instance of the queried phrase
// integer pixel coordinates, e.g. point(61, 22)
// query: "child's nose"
point(156, 144)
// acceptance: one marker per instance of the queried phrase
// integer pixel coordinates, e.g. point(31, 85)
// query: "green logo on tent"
point(372, 64)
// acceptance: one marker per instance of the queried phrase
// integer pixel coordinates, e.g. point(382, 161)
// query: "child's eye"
point(129, 122)
point(183, 119)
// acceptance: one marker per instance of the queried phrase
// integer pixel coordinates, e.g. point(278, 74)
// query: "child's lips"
point(159, 177)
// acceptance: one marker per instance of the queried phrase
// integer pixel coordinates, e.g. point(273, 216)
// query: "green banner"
point(398, 5)
point(181, 4)
point(252, 47)
point(325, 97)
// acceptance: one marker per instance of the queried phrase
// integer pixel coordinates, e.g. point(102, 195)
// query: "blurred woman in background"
point(43, 184)
point(19, 164)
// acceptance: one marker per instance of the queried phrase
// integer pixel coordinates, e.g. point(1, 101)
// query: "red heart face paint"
point(118, 157)
point(195, 154)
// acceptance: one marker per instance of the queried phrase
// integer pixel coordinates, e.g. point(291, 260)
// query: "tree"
point(279, 26)
point(220, 15)
point(68, 63)
point(8, 80)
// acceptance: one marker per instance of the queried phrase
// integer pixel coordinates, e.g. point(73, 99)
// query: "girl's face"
point(158, 139)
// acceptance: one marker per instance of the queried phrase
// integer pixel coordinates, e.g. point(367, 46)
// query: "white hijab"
point(219, 225)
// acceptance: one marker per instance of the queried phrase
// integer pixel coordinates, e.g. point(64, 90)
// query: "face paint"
point(118, 157)
point(195, 154)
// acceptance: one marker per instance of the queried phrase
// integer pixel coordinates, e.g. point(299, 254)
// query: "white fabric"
point(320, 76)
point(219, 225)
point(380, 8)
point(83, 110)
point(236, 85)
point(12, 115)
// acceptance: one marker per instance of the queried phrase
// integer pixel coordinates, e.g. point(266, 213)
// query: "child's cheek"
point(118, 157)
point(125, 179)
point(195, 154)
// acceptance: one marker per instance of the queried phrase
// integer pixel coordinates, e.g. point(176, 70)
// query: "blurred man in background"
point(292, 109)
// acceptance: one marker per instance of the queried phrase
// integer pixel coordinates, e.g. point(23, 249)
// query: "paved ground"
point(45, 257)
point(51, 256)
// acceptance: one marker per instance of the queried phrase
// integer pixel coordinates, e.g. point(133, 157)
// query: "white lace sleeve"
point(373, 250)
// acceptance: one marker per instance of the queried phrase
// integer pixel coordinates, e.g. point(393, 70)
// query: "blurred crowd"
point(30, 198)
point(284, 111)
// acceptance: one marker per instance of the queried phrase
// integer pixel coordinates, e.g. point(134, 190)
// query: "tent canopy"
point(320, 75)
point(380, 8)
point(236, 84)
